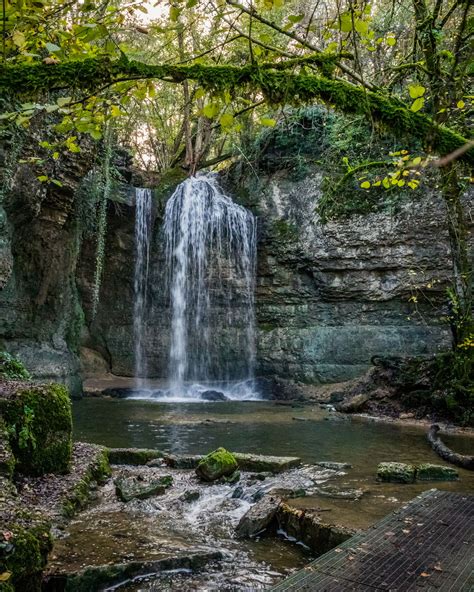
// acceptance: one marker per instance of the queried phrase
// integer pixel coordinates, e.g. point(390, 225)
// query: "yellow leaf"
point(460, 104)
point(5, 576)
point(391, 41)
point(365, 185)
point(417, 104)
point(416, 161)
point(416, 90)
point(268, 121)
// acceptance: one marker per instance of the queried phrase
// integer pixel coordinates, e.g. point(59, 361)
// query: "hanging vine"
point(103, 195)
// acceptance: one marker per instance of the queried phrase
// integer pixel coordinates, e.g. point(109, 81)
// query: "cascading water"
point(210, 245)
point(143, 227)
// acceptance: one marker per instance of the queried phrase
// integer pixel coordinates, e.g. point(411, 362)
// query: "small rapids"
point(189, 517)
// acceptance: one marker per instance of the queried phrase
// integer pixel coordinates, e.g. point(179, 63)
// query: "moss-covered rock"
point(217, 464)
point(39, 424)
point(430, 472)
point(396, 472)
point(97, 472)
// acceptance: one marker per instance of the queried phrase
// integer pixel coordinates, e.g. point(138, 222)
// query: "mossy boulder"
point(430, 472)
point(39, 424)
point(134, 488)
point(217, 464)
point(396, 472)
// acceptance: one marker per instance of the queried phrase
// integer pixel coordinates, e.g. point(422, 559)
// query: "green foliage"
point(443, 385)
point(11, 368)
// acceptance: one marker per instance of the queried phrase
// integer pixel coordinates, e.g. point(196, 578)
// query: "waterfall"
point(143, 226)
point(210, 248)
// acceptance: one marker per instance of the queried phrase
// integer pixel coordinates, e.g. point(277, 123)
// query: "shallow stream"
point(352, 498)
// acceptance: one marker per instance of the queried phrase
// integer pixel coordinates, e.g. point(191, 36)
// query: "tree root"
point(461, 460)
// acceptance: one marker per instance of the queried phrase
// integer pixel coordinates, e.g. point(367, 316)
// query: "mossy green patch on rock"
point(98, 472)
point(217, 464)
point(430, 472)
point(24, 546)
point(39, 423)
point(396, 472)
point(11, 368)
point(7, 460)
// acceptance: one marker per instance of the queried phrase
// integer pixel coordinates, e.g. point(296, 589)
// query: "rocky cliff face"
point(39, 307)
point(329, 297)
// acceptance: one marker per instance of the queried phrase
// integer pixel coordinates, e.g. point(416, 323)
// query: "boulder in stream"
point(259, 517)
point(211, 395)
point(396, 472)
point(129, 488)
point(258, 463)
point(335, 466)
point(217, 464)
point(430, 472)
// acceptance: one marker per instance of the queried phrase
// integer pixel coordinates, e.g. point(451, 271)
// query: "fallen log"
point(460, 460)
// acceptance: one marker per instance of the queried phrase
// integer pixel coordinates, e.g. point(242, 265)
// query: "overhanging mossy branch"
point(278, 87)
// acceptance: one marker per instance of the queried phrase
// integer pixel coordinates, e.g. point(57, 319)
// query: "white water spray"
point(210, 245)
point(143, 227)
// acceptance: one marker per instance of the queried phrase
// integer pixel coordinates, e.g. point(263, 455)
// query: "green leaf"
point(174, 13)
point(416, 90)
point(210, 110)
point(52, 47)
point(268, 122)
point(361, 27)
point(226, 120)
point(345, 22)
point(191, 3)
point(391, 41)
point(42, 178)
point(295, 18)
point(417, 104)
point(416, 161)
point(56, 182)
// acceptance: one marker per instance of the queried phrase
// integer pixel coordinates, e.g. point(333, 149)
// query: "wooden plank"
point(426, 545)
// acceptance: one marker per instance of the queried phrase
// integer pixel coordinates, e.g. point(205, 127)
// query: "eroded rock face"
point(40, 310)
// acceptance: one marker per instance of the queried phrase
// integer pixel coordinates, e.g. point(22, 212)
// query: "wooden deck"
point(426, 545)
